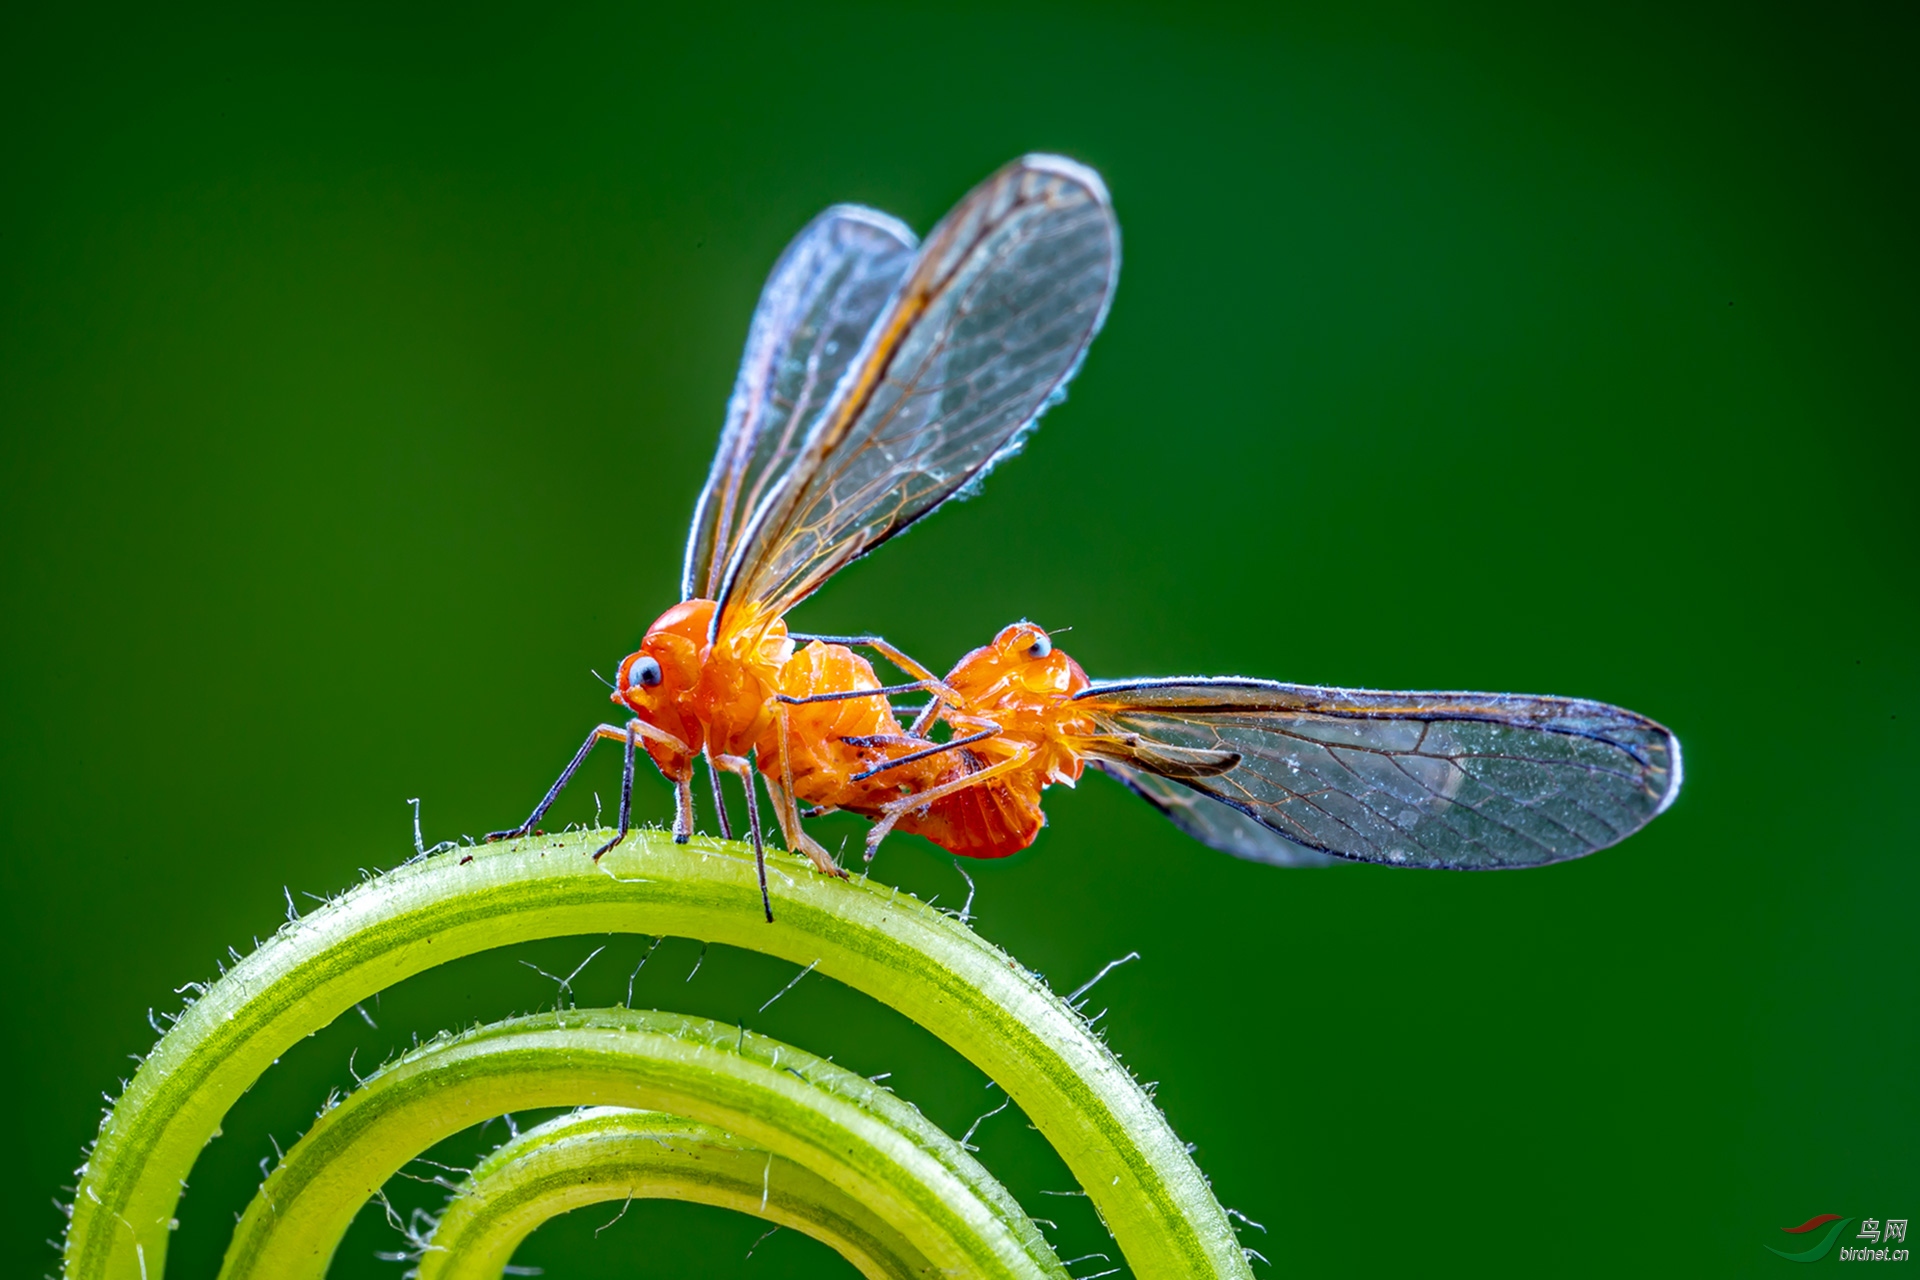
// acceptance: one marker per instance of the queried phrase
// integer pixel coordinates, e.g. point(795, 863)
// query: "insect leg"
point(792, 812)
point(887, 740)
point(743, 768)
point(759, 843)
point(881, 646)
point(612, 733)
point(683, 807)
point(924, 721)
point(922, 754)
point(626, 793)
point(787, 808)
point(800, 700)
point(560, 783)
point(893, 812)
point(719, 800)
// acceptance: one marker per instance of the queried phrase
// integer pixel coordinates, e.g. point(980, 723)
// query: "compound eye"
point(1041, 647)
point(643, 674)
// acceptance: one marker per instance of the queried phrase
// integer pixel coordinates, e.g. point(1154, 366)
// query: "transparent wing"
point(1216, 825)
point(1471, 781)
point(992, 321)
point(823, 296)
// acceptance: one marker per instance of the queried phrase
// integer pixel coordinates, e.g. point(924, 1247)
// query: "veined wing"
point(814, 313)
point(1470, 781)
point(1214, 824)
point(983, 335)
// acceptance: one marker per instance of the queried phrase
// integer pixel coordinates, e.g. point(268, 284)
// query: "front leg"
point(626, 794)
point(635, 730)
point(682, 795)
point(607, 731)
point(683, 807)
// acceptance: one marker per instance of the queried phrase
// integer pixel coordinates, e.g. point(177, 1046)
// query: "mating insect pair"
point(881, 379)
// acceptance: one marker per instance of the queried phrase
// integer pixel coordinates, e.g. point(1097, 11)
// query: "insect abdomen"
point(996, 818)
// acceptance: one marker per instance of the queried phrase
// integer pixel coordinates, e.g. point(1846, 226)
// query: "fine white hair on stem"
point(420, 849)
point(764, 1237)
point(966, 1142)
point(565, 984)
point(790, 986)
point(637, 968)
point(1090, 983)
point(616, 1217)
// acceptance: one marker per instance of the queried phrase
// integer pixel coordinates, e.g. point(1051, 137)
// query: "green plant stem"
point(868, 936)
point(855, 1134)
point(608, 1154)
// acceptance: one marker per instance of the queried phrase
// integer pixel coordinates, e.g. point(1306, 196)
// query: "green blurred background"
point(359, 366)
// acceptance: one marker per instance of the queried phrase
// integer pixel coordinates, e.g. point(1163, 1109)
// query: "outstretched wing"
point(1216, 825)
point(814, 313)
point(983, 335)
point(1471, 781)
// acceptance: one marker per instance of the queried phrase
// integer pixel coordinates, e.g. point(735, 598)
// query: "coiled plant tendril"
point(924, 1200)
point(606, 1154)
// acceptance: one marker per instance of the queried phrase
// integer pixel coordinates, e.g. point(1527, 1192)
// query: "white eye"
point(1041, 647)
point(643, 674)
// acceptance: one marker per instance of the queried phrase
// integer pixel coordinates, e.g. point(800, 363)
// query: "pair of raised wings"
point(880, 381)
point(882, 378)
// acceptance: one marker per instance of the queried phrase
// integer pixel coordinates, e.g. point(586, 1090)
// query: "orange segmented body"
point(1024, 686)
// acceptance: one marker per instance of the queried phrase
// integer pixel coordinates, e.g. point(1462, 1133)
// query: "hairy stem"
point(606, 1154)
point(923, 963)
point(854, 1133)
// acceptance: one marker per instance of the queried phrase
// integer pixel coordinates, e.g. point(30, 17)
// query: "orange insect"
point(1294, 775)
point(879, 380)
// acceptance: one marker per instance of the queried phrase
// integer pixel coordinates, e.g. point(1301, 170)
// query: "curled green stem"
point(855, 1134)
point(872, 938)
point(606, 1154)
